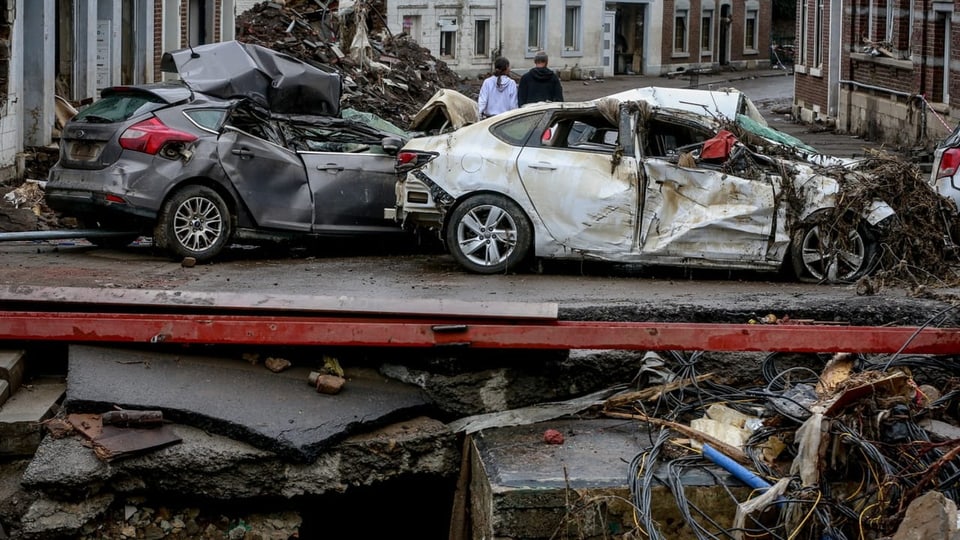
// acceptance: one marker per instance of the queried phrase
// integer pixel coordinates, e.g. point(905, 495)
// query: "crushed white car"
point(653, 176)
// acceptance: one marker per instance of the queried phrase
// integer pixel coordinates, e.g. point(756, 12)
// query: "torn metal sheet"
point(277, 81)
point(119, 442)
point(111, 441)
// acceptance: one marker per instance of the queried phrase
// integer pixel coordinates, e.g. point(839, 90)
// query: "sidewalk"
point(582, 90)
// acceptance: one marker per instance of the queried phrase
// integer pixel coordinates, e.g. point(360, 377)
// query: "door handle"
point(242, 152)
point(543, 167)
point(329, 167)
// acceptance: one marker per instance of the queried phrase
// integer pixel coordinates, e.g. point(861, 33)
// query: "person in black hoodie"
point(540, 83)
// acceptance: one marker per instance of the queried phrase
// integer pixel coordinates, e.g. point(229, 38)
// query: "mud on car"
point(248, 146)
point(655, 176)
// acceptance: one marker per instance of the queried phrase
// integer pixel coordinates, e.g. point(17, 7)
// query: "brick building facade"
point(882, 69)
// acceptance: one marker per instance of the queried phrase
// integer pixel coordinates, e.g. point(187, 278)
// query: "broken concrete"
point(930, 515)
point(47, 518)
point(523, 487)
point(276, 412)
point(21, 416)
point(11, 368)
point(216, 467)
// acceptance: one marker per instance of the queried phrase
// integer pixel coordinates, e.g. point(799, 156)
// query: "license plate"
point(85, 151)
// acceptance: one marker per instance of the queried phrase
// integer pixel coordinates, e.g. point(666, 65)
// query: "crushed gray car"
point(248, 147)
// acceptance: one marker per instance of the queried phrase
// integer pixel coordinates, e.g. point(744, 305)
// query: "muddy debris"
point(850, 459)
point(391, 76)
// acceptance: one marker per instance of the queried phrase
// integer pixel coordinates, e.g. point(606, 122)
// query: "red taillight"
point(411, 159)
point(949, 161)
point(407, 158)
point(115, 199)
point(151, 135)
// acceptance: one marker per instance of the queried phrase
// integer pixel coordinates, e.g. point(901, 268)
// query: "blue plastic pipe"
point(738, 471)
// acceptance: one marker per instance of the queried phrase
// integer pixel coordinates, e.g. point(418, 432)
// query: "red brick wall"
point(184, 22)
point(695, 16)
point(157, 37)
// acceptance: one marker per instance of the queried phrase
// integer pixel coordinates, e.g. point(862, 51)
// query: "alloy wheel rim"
point(826, 258)
point(197, 223)
point(487, 235)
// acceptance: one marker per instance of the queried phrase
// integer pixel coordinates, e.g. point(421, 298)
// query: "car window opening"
point(590, 132)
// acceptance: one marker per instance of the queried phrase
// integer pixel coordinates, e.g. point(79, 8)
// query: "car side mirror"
point(391, 145)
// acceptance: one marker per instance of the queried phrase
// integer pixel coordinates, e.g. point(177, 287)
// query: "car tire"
point(819, 255)
point(194, 222)
point(488, 234)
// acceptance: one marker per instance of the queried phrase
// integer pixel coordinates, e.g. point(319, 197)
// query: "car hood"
point(279, 82)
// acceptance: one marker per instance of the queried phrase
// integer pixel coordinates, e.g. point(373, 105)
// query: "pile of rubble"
point(390, 76)
point(831, 447)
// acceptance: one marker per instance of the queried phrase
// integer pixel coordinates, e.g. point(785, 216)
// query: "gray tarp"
point(274, 80)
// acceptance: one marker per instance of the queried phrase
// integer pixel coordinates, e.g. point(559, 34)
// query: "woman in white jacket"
point(499, 91)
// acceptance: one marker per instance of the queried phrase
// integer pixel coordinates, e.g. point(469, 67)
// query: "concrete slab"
point(4, 391)
point(11, 367)
point(278, 412)
point(521, 487)
point(21, 417)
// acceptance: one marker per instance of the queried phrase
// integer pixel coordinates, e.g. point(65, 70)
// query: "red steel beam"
point(400, 332)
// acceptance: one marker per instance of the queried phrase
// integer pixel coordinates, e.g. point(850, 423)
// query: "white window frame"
point(451, 53)
point(755, 16)
point(415, 22)
point(577, 28)
point(476, 37)
point(817, 35)
point(804, 33)
point(910, 22)
point(708, 17)
point(871, 11)
point(683, 14)
point(889, 21)
point(536, 13)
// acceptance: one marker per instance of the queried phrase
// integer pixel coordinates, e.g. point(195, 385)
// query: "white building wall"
point(244, 5)
point(11, 110)
point(515, 28)
point(508, 32)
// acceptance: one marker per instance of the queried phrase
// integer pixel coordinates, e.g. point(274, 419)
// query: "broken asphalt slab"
point(277, 412)
point(212, 466)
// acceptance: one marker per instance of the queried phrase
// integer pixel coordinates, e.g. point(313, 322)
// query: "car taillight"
point(152, 136)
point(411, 159)
point(949, 161)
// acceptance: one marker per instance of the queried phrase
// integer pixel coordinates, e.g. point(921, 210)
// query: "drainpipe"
point(499, 27)
point(877, 88)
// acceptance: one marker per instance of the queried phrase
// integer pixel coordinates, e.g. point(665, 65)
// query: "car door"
point(584, 189)
point(353, 192)
point(270, 180)
point(694, 211)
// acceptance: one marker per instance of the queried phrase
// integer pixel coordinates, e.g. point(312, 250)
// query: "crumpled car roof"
point(279, 82)
point(726, 103)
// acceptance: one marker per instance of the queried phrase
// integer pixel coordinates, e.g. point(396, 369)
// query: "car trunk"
point(86, 140)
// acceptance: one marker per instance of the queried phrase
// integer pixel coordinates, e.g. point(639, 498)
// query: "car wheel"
point(194, 222)
point(824, 254)
point(488, 234)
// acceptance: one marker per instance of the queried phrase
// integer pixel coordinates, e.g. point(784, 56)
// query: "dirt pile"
point(390, 76)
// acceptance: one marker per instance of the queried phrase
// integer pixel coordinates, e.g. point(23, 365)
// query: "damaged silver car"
point(655, 176)
point(249, 146)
